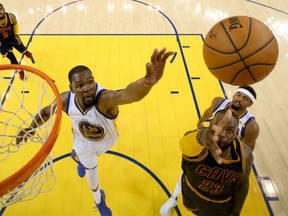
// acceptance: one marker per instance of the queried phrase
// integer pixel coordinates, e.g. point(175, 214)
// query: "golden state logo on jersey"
point(90, 131)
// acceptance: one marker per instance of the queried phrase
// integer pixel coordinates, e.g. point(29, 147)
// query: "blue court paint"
point(182, 55)
point(192, 92)
point(267, 180)
point(173, 57)
point(262, 191)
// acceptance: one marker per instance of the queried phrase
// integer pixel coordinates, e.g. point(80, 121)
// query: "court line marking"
point(275, 9)
point(187, 73)
point(132, 160)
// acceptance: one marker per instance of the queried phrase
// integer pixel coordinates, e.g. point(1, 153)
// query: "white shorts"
point(87, 151)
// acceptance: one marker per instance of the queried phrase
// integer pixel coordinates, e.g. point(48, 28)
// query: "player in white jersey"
point(243, 119)
point(248, 132)
point(92, 130)
point(93, 110)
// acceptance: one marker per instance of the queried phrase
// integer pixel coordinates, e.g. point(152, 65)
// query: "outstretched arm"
point(40, 118)
point(138, 89)
point(208, 136)
point(208, 113)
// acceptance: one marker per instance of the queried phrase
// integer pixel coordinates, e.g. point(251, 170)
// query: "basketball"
point(240, 50)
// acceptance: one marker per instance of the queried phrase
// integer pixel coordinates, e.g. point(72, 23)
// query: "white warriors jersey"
point(243, 120)
point(92, 127)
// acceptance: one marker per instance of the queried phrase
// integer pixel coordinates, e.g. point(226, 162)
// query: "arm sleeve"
point(16, 29)
point(189, 145)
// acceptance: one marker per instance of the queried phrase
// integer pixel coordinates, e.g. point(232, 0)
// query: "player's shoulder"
point(13, 18)
point(106, 93)
point(65, 94)
point(217, 100)
point(107, 99)
point(252, 125)
point(64, 98)
point(189, 145)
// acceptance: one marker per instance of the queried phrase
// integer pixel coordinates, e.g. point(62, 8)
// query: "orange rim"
point(21, 175)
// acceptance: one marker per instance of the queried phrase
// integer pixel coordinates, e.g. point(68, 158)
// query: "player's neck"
point(226, 152)
point(240, 113)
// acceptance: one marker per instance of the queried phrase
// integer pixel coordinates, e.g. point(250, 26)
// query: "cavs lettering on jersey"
point(91, 126)
point(207, 179)
point(6, 30)
point(243, 120)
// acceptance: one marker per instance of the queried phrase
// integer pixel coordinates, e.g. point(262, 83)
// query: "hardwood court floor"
point(146, 159)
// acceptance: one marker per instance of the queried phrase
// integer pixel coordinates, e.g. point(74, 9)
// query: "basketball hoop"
point(19, 102)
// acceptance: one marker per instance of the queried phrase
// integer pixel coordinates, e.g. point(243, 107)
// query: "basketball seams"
point(223, 66)
point(236, 50)
point(218, 51)
point(261, 48)
point(244, 58)
point(240, 50)
point(239, 72)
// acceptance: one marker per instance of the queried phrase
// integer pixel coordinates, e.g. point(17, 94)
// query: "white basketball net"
point(20, 101)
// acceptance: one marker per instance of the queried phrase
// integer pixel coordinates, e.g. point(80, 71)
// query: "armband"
point(189, 145)
point(16, 29)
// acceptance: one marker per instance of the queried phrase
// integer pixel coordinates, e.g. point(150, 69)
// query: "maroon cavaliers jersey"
point(7, 30)
point(212, 181)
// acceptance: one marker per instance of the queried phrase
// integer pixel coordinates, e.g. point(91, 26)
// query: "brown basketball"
point(240, 50)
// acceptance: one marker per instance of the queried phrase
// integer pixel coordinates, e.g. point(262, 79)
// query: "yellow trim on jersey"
point(189, 209)
point(193, 151)
point(241, 123)
point(189, 145)
point(80, 109)
point(204, 197)
point(115, 126)
point(16, 29)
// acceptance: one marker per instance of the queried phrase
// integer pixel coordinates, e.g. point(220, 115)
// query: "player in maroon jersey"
point(9, 38)
point(216, 167)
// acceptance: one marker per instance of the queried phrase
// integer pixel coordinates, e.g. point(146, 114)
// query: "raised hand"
point(155, 68)
point(24, 134)
point(212, 135)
